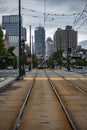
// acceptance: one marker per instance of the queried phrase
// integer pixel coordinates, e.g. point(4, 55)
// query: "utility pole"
point(60, 52)
point(30, 40)
point(32, 53)
point(68, 60)
point(22, 49)
point(32, 46)
point(44, 10)
point(30, 50)
point(20, 52)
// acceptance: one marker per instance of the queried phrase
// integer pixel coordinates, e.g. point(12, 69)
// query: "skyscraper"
point(49, 47)
point(11, 24)
point(40, 41)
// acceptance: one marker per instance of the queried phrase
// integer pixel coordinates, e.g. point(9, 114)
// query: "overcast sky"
point(59, 13)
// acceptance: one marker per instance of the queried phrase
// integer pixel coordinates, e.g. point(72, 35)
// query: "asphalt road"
point(4, 73)
point(81, 71)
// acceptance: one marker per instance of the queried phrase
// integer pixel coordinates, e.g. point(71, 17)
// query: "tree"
point(11, 58)
point(3, 51)
point(81, 62)
point(57, 58)
point(10, 49)
point(2, 45)
point(50, 62)
point(35, 61)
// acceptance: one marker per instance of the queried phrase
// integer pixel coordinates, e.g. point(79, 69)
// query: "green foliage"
point(11, 58)
point(7, 58)
point(35, 61)
point(10, 49)
point(1, 36)
point(50, 63)
point(55, 59)
point(81, 62)
point(2, 46)
point(3, 51)
point(25, 58)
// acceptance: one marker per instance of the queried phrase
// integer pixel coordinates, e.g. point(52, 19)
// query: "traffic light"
point(69, 50)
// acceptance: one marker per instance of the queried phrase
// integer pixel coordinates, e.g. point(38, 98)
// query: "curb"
point(6, 82)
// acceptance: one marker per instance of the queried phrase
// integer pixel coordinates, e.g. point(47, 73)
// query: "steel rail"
point(17, 123)
point(74, 85)
point(67, 113)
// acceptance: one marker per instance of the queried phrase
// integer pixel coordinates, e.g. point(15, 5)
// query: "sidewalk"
point(4, 83)
point(9, 80)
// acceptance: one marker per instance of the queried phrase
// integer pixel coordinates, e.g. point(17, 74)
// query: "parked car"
point(9, 67)
point(77, 67)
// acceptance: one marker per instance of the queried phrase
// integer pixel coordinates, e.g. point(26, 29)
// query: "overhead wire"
point(82, 24)
point(80, 17)
point(50, 14)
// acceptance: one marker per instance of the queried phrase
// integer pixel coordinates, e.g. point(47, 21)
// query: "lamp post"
point(60, 51)
point(20, 52)
point(29, 56)
point(23, 46)
point(44, 12)
point(68, 52)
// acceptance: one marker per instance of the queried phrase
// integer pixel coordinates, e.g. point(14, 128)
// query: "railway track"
point(80, 87)
point(40, 114)
point(67, 113)
point(17, 123)
point(11, 100)
point(75, 100)
point(47, 103)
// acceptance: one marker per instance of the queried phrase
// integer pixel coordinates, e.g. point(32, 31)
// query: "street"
point(45, 99)
point(4, 73)
point(81, 71)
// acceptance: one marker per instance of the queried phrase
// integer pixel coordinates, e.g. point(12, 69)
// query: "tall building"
point(71, 37)
point(40, 41)
point(59, 39)
point(11, 24)
point(65, 38)
point(49, 47)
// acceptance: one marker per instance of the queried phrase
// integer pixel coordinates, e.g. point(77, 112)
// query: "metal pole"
point(30, 50)
point(30, 40)
point(32, 46)
point(68, 60)
point(44, 12)
point(20, 53)
point(60, 55)
point(32, 53)
point(23, 46)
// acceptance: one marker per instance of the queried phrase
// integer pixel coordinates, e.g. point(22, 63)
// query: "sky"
point(58, 14)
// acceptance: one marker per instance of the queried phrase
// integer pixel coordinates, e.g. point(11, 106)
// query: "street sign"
point(16, 51)
point(29, 59)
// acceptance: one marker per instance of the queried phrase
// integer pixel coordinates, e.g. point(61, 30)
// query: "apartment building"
point(65, 38)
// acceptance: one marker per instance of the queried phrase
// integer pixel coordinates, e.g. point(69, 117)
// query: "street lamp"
point(30, 51)
point(23, 46)
point(20, 52)
point(60, 51)
point(68, 52)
